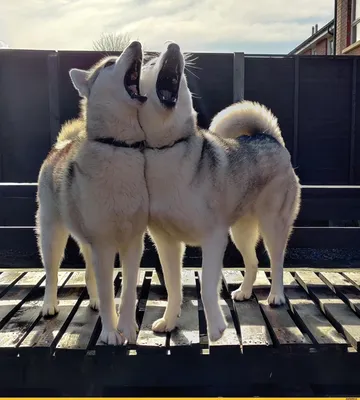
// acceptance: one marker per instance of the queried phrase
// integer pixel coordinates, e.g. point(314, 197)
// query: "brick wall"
point(342, 25)
point(321, 48)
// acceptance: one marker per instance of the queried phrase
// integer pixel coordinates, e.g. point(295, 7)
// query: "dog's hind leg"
point(103, 256)
point(245, 235)
point(52, 239)
point(171, 253)
point(213, 249)
point(276, 217)
point(90, 276)
point(130, 260)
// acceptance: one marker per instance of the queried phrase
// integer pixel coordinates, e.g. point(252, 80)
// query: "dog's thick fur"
point(237, 176)
point(97, 193)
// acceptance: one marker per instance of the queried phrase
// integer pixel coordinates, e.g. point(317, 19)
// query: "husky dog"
point(92, 186)
point(236, 176)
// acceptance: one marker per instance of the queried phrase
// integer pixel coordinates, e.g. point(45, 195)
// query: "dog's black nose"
point(173, 47)
point(135, 44)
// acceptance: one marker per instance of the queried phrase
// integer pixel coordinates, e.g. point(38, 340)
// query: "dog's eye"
point(109, 63)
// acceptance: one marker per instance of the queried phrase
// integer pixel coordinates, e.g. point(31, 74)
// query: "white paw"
point(241, 294)
point(129, 331)
point(216, 331)
point(50, 308)
point(113, 338)
point(276, 299)
point(94, 304)
point(163, 325)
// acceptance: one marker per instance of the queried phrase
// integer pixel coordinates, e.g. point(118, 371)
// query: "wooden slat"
point(148, 340)
point(27, 315)
point(283, 328)
point(16, 295)
point(186, 336)
point(7, 279)
point(80, 330)
point(230, 340)
point(353, 277)
point(334, 308)
point(47, 331)
point(343, 288)
point(253, 330)
point(312, 320)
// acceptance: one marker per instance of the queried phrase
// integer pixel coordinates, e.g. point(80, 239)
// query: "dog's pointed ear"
point(79, 78)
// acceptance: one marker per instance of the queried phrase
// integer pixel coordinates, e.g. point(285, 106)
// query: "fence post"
point(353, 123)
point(239, 77)
point(54, 103)
point(296, 110)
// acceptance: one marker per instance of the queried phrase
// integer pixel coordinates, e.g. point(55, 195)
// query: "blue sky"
point(252, 26)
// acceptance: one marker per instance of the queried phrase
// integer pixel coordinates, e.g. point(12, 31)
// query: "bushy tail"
point(246, 118)
point(71, 130)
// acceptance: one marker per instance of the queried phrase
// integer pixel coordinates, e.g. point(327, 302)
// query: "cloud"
point(230, 25)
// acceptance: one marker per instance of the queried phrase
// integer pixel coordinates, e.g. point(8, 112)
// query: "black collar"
point(119, 143)
point(137, 145)
point(169, 146)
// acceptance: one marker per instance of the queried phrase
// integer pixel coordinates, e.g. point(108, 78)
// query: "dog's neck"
point(164, 129)
point(122, 126)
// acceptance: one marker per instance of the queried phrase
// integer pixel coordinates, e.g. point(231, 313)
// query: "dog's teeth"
point(166, 94)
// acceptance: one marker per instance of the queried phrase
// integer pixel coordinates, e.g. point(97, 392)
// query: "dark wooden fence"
point(316, 100)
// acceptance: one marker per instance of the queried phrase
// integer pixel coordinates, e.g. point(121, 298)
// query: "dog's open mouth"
point(131, 81)
point(168, 80)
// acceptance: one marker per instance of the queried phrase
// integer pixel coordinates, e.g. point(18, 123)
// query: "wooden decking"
point(323, 313)
point(321, 319)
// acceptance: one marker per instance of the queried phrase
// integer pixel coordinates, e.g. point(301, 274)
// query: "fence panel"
point(24, 114)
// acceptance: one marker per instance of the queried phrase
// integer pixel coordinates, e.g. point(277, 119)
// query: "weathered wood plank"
point(353, 277)
point(253, 330)
point(186, 336)
point(17, 294)
point(147, 340)
point(230, 340)
point(8, 279)
point(343, 288)
point(340, 315)
point(26, 316)
point(284, 331)
point(319, 329)
point(47, 331)
point(80, 330)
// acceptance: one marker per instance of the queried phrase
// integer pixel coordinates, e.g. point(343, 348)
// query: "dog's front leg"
point(103, 260)
point(170, 253)
point(130, 260)
point(213, 249)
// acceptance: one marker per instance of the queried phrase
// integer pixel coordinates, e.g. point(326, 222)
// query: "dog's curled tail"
point(246, 118)
point(70, 130)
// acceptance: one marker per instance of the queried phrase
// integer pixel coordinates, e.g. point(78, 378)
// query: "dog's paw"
point(50, 308)
point(276, 299)
point(215, 331)
point(241, 294)
point(113, 338)
point(94, 304)
point(129, 331)
point(163, 325)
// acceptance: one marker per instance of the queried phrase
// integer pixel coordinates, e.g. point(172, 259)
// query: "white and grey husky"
point(237, 176)
point(92, 186)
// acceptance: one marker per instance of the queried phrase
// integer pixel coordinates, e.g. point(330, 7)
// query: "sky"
point(251, 26)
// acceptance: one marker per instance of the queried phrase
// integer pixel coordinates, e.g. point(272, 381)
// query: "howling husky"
point(237, 176)
point(92, 186)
